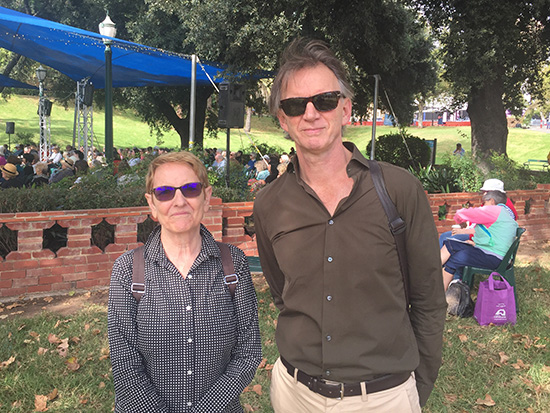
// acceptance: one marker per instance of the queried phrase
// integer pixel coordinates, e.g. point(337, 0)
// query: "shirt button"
point(189, 404)
point(190, 276)
point(189, 372)
point(329, 338)
point(327, 373)
point(329, 297)
point(329, 259)
point(330, 222)
point(189, 340)
point(188, 308)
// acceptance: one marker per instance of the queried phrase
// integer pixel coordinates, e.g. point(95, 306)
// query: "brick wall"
point(81, 265)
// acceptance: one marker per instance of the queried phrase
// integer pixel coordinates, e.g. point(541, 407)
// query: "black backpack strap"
point(138, 273)
point(396, 223)
point(230, 277)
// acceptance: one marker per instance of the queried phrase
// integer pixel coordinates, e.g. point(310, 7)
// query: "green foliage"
point(390, 148)
point(508, 171)
point(437, 180)
point(468, 176)
point(26, 138)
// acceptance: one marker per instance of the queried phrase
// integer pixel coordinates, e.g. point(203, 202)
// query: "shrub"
point(390, 148)
point(467, 175)
point(508, 171)
point(438, 180)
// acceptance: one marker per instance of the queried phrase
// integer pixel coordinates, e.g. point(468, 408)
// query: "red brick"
point(43, 254)
point(74, 276)
point(54, 262)
point(78, 243)
point(50, 279)
point(39, 288)
point(25, 282)
point(6, 283)
point(86, 267)
point(62, 270)
point(125, 239)
point(97, 258)
point(87, 283)
point(9, 275)
point(18, 256)
point(13, 292)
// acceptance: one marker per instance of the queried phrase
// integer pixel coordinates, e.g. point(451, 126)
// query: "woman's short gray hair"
point(305, 53)
point(498, 196)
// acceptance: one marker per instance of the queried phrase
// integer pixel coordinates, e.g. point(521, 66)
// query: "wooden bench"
point(536, 163)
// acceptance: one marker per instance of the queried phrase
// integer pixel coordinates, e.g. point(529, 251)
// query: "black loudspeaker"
point(10, 128)
point(88, 98)
point(47, 107)
point(231, 114)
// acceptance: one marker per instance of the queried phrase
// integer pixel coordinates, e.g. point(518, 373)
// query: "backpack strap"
point(138, 273)
point(396, 223)
point(230, 277)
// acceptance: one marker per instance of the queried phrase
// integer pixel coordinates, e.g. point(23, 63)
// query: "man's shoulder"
point(271, 193)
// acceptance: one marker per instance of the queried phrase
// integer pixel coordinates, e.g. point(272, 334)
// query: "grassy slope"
point(130, 131)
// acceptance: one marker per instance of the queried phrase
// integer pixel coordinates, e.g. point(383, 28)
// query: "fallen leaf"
point(262, 363)
point(17, 313)
point(269, 367)
point(257, 388)
point(40, 403)
point(451, 398)
point(520, 365)
point(488, 401)
point(96, 331)
point(52, 338)
point(11, 306)
point(21, 327)
point(102, 385)
point(48, 299)
point(72, 364)
point(16, 404)
point(3, 316)
point(503, 357)
point(248, 408)
point(6, 363)
point(546, 369)
point(83, 400)
point(538, 290)
point(53, 395)
point(63, 347)
point(463, 338)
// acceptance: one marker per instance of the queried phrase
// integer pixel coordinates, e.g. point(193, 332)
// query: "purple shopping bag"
point(495, 302)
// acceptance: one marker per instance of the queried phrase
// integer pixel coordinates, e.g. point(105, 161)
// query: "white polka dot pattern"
point(187, 346)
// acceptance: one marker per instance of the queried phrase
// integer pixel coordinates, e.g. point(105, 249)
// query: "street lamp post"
point(44, 149)
point(108, 28)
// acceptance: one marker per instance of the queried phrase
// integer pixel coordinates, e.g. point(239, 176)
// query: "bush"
point(438, 180)
point(467, 176)
point(508, 171)
point(390, 148)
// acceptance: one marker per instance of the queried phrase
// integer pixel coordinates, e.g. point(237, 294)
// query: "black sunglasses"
point(167, 193)
point(323, 102)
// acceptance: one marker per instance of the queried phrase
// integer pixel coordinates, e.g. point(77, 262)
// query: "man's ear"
point(282, 120)
point(346, 112)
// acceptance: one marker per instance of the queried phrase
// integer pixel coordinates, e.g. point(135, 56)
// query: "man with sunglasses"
point(345, 336)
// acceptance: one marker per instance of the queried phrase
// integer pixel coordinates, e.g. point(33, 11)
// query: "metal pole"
point(227, 156)
point(108, 104)
point(192, 103)
point(375, 110)
point(42, 124)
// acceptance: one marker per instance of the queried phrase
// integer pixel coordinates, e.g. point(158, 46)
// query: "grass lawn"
point(62, 361)
point(129, 131)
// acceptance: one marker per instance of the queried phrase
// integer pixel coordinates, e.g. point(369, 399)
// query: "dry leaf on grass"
point(52, 338)
point(451, 398)
point(262, 363)
point(248, 408)
point(520, 365)
point(48, 299)
point(503, 357)
point(72, 364)
point(41, 351)
point(40, 403)
point(463, 338)
point(63, 347)
point(488, 401)
point(6, 363)
point(257, 388)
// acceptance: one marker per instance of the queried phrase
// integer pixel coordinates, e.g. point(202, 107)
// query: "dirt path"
point(529, 253)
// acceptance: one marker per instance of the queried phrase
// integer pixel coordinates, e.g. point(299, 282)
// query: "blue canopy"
point(9, 82)
point(80, 54)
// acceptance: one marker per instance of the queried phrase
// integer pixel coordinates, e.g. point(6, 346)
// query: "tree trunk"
point(488, 117)
point(248, 120)
point(420, 123)
point(9, 67)
point(181, 125)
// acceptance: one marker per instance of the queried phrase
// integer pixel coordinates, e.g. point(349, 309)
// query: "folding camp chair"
point(505, 269)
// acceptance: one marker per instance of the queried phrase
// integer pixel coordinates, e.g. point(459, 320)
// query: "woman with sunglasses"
point(187, 345)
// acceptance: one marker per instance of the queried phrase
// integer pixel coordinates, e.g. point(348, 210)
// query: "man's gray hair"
point(306, 53)
point(498, 196)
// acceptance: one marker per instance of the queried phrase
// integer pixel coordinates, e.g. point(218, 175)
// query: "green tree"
point(492, 52)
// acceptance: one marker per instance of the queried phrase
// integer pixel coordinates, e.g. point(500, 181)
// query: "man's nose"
point(311, 111)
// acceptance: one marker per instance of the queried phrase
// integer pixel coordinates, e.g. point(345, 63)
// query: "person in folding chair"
point(182, 314)
point(494, 232)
